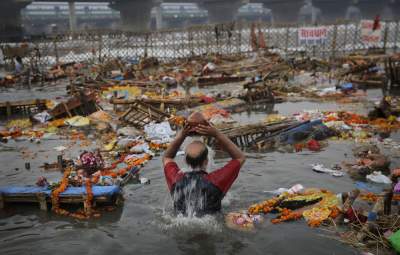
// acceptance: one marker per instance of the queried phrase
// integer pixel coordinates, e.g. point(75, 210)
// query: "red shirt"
point(222, 178)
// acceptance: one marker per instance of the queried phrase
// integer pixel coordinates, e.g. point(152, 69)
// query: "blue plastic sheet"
point(71, 191)
point(374, 188)
point(289, 136)
point(347, 86)
point(119, 78)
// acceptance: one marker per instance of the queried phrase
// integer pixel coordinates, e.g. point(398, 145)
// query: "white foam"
point(191, 224)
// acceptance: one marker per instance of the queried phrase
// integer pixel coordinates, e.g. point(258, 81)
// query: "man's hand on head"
point(224, 141)
point(186, 130)
point(207, 130)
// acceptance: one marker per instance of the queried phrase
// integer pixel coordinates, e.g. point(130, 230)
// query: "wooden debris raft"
point(43, 199)
point(247, 135)
point(258, 92)
point(266, 139)
point(78, 105)
point(24, 107)
point(368, 83)
point(42, 196)
point(169, 103)
point(209, 81)
point(310, 64)
point(141, 114)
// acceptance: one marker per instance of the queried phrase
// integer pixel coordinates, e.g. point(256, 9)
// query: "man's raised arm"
point(174, 146)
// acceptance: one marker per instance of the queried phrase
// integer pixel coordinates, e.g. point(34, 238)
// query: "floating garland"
point(55, 194)
point(264, 207)
point(89, 198)
point(89, 211)
point(287, 215)
point(325, 208)
point(55, 198)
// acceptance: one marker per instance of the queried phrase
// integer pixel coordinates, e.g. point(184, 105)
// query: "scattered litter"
point(78, 121)
point(378, 177)
point(319, 168)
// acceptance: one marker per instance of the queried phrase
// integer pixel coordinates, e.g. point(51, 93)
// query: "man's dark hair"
point(196, 162)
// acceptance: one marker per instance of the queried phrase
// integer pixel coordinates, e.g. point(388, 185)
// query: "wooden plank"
point(71, 104)
point(87, 207)
point(66, 109)
point(141, 114)
point(41, 197)
point(34, 198)
point(209, 81)
point(33, 102)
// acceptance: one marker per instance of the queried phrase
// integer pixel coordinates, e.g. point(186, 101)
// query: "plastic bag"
point(140, 148)
point(161, 131)
point(78, 121)
point(129, 131)
point(378, 177)
point(347, 86)
point(42, 117)
point(293, 190)
point(313, 145)
point(319, 168)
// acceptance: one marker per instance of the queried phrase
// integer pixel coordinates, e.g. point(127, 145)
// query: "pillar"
point(371, 8)
point(159, 16)
point(10, 17)
point(221, 11)
point(332, 10)
point(353, 11)
point(309, 13)
point(135, 14)
point(284, 11)
point(72, 16)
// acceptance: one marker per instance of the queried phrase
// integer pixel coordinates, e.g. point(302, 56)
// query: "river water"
point(145, 224)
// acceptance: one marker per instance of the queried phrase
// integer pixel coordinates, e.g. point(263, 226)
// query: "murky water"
point(145, 224)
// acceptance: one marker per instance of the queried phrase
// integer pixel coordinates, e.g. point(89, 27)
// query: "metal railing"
point(229, 39)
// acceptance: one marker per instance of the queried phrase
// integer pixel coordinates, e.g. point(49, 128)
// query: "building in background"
point(50, 17)
point(177, 15)
point(254, 12)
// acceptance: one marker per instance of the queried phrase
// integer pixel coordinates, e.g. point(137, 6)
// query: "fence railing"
point(342, 38)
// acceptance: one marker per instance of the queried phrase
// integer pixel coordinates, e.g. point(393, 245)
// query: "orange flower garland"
point(314, 223)
point(121, 172)
point(177, 120)
point(158, 147)
point(264, 207)
point(55, 194)
point(287, 215)
point(55, 198)
point(89, 197)
point(335, 212)
point(385, 124)
point(370, 197)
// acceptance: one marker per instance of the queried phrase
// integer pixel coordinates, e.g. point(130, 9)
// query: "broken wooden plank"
point(141, 114)
point(84, 103)
point(209, 81)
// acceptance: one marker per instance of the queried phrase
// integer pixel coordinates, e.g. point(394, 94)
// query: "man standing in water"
point(197, 192)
